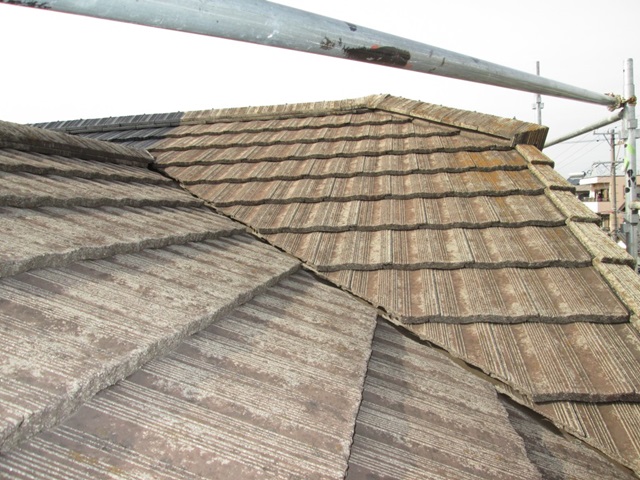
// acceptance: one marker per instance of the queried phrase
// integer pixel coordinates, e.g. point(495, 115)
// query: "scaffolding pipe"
point(594, 126)
point(631, 196)
point(538, 105)
point(266, 23)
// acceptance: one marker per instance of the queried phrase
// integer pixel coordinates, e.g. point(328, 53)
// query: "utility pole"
point(610, 136)
point(538, 105)
point(613, 193)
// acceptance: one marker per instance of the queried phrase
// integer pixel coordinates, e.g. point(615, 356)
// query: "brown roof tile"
point(409, 214)
point(297, 135)
point(424, 415)
point(436, 248)
point(241, 172)
point(189, 152)
point(507, 295)
point(406, 220)
point(580, 361)
point(466, 184)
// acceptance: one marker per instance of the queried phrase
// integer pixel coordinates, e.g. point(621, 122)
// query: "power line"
point(577, 155)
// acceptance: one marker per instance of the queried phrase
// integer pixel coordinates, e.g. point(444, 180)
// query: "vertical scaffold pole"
point(631, 199)
point(538, 105)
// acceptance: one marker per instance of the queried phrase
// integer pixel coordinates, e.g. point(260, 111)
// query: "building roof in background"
point(451, 224)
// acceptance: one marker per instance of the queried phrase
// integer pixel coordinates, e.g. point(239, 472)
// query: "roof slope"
point(267, 391)
point(452, 223)
point(421, 412)
point(154, 338)
point(456, 227)
point(71, 327)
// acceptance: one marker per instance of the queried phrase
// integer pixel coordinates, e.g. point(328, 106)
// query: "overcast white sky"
point(57, 66)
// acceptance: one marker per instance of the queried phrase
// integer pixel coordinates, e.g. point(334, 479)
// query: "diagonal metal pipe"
point(593, 126)
point(267, 23)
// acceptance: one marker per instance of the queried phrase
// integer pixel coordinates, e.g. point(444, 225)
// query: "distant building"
point(597, 194)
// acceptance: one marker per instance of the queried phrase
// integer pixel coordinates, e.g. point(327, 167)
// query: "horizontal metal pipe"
point(266, 23)
point(576, 133)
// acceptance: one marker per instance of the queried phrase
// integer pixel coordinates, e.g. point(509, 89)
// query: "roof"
point(218, 356)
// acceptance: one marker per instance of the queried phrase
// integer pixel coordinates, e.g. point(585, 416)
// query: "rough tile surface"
point(423, 416)
point(270, 390)
point(102, 270)
point(432, 215)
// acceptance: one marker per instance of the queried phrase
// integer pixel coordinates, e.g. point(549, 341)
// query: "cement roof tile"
point(27, 190)
point(580, 361)
point(435, 248)
point(92, 323)
point(241, 399)
point(611, 428)
point(49, 237)
point(506, 295)
point(42, 164)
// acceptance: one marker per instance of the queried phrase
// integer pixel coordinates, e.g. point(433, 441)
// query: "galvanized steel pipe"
point(593, 126)
point(266, 23)
point(631, 196)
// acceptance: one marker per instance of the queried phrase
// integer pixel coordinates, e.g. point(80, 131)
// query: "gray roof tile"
point(271, 390)
point(51, 236)
point(27, 190)
point(94, 322)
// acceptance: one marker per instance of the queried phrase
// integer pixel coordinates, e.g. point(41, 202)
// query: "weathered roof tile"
point(580, 361)
point(50, 236)
point(438, 215)
point(28, 139)
point(26, 190)
point(94, 322)
point(436, 248)
point(423, 413)
point(271, 389)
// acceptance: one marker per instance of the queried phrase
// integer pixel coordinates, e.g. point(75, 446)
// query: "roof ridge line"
point(517, 131)
point(33, 139)
point(607, 256)
point(107, 124)
point(319, 108)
